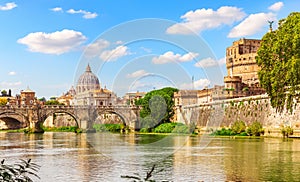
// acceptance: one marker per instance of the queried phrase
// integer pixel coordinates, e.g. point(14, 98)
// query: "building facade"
point(27, 97)
point(131, 97)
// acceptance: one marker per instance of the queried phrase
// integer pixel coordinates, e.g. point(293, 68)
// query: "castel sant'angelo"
point(242, 79)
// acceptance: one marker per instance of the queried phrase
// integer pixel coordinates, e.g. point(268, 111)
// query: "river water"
point(107, 156)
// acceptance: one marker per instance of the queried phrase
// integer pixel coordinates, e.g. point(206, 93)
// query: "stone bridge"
point(33, 117)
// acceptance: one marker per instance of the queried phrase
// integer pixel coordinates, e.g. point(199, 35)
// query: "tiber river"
point(106, 157)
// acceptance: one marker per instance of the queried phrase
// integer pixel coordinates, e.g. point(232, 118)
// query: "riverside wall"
point(224, 113)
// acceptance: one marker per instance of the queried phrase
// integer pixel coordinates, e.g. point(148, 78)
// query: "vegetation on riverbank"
point(157, 107)
point(14, 130)
point(239, 128)
point(179, 128)
point(278, 58)
point(286, 131)
point(63, 129)
point(115, 128)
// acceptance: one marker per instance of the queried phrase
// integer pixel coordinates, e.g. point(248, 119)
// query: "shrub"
point(165, 128)
point(223, 132)
point(255, 129)
point(286, 131)
point(171, 128)
point(62, 129)
point(144, 130)
point(238, 127)
point(243, 134)
point(108, 127)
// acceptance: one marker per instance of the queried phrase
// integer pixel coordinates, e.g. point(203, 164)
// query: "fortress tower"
point(242, 79)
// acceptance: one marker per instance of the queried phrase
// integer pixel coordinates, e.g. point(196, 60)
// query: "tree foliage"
point(157, 107)
point(3, 101)
point(255, 129)
point(279, 59)
point(4, 93)
point(53, 102)
point(238, 127)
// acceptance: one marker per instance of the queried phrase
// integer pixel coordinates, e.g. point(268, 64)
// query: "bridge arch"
point(121, 116)
point(51, 112)
point(14, 120)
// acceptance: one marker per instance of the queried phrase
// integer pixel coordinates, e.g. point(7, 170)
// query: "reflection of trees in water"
point(262, 159)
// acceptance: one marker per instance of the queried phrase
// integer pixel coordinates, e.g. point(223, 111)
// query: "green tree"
point(255, 129)
point(53, 102)
point(43, 99)
point(157, 107)
point(4, 93)
point(238, 127)
point(3, 101)
point(279, 59)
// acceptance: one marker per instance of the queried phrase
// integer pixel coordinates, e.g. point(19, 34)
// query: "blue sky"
point(132, 45)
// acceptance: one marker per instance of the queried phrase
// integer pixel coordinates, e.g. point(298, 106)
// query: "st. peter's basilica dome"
point(87, 81)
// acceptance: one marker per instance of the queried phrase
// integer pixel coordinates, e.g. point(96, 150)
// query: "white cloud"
point(210, 62)
point(12, 73)
point(143, 86)
point(8, 6)
point(171, 57)
point(276, 6)
point(198, 84)
point(96, 47)
point(111, 55)
point(10, 84)
point(57, 9)
point(119, 42)
point(203, 19)
point(86, 14)
point(58, 42)
point(137, 74)
point(254, 23)
point(147, 50)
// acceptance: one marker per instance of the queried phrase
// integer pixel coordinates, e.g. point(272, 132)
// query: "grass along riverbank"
point(63, 129)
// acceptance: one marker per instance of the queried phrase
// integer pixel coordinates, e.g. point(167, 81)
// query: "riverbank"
point(270, 133)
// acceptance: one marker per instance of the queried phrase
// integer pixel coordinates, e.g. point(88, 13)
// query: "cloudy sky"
point(131, 46)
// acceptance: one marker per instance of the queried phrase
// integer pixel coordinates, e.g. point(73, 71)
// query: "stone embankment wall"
point(248, 109)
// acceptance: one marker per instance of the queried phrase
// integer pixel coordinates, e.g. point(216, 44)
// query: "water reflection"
point(105, 157)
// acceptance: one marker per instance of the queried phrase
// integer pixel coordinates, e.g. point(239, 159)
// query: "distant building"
point(204, 95)
point(131, 97)
point(185, 97)
point(67, 98)
point(89, 92)
point(27, 97)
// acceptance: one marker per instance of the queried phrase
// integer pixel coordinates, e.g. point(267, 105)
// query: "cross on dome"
point(88, 68)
